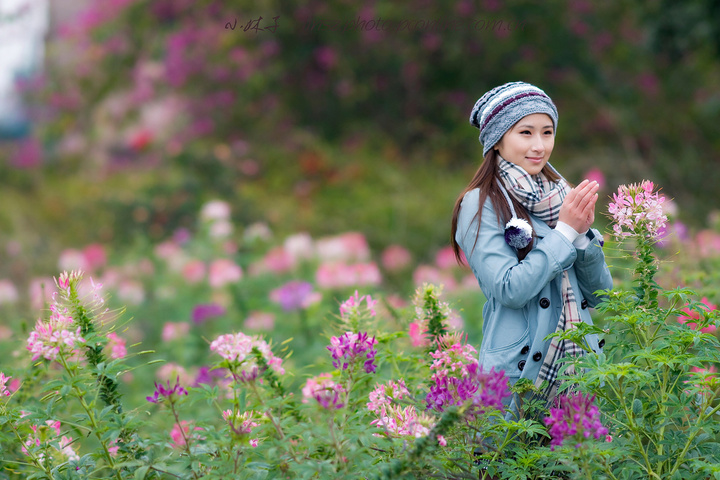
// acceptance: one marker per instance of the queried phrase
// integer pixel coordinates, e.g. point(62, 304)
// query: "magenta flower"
point(294, 295)
point(576, 418)
point(163, 392)
point(202, 313)
point(4, 391)
point(637, 211)
point(352, 348)
point(329, 394)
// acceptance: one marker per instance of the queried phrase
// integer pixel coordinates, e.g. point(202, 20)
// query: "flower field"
point(224, 355)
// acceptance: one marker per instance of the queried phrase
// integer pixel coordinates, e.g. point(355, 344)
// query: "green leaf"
point(141, 472)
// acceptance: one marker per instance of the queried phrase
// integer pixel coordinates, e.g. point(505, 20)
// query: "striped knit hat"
point(502, 107)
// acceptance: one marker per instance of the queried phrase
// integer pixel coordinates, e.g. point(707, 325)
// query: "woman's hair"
point(486, 179)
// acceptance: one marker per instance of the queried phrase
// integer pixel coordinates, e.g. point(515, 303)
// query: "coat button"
point(525, 350)
point(601, 343)
point(537, 356)
point(544, 302)
point(521, 365)
point(583, 304)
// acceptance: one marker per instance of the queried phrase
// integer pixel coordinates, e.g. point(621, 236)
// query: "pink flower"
point(429, 274)
point(215, 210)
point(350, 246)
point(172, 331)
point(299, 246)
point(260, 321)
point(117, 346)
point(294, 295)
point(237, 350)
point(351, 348)
point(223, 272)
point(695, 315)
point(194, 271)
point(181, 432)
point(418, 335)
point(4, 391)
point(445, 258)
point(328, 394)
point(351, 306)
point(332, 275)
point(596, 175)
point(59, 333)
point(276, 260)
point(72, 259)
point(637, 211)
point(396, 258)
point(8, 292)
point(383, 396)
point(131, 291)
point(95, 256)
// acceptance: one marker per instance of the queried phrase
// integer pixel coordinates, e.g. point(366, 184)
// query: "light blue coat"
point(523, 298)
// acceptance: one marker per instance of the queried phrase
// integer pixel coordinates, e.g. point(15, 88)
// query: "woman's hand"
point(578, 208)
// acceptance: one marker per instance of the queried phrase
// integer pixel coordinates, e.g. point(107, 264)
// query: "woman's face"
point(529, 143)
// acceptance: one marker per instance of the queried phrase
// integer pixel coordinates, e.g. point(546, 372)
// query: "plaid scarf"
point(543, 198)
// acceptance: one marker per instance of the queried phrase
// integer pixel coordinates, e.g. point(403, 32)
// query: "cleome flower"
point(237, 348)
point(351, 348)
point(637, 211)
point(163, 392)
point(575, 418)
point(60, 332)
point(329, 394)
point(352, 306)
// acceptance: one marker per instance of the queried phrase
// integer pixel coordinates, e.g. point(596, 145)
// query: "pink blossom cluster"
point(48, 434)
point(8, 292)
point(329, 394)
point(339, 274)
point(351, 307)
point(295, 295)
point(352, 348)
point(383, 396)
point(575, 418)
point(4, 391)
point(237, 350)
point(691, 317)
point(48, 338)
point(116, 345)
point(181, 432)
point(241, 424)
point(637, 211)
point(457, 378)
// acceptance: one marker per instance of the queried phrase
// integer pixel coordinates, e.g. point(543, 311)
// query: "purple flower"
point(166, 392)
point(206, 375)
point(350, 348)
point(575, 418)
point(294, 295)
point(203, 312)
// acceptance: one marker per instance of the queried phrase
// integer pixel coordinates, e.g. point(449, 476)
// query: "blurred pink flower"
point(95, 256)
point(172, 371)
point(276, 260)
point(294, 295)
point(117, 345)
point(430, 274)
point(346, 247)
point(338, 275)
point(222, 272)
point(215, 210)
point(326, 57)
point(260, 321)
point(194, 271)
point(595, 174)
point(8, 292)
point(299, 246)
point(203, 312)
point(140, 139)
point(28, 154)
point(174, 330)
point(445, 258)
point(689, 315)
point(396, 258)
point(178, 436)
point(72, 259)
point(418, 335)
point(708, 242)
point(131, 292)
point(329, 394)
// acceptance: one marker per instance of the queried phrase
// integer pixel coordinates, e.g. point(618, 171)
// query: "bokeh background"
point(323, 130)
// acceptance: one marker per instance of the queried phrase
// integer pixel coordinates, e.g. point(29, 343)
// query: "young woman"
point(528, 239)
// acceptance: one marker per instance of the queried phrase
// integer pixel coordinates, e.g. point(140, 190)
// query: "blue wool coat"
point(524, 298)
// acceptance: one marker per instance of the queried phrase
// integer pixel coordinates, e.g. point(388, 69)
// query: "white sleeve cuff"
point(582, 241)
point(567, 231)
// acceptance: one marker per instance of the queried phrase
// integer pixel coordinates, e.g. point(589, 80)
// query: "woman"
point(528, 239)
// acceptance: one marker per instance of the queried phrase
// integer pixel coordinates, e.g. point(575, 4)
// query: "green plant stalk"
point(338, 445)
point(701, 418)
point(186, 440)
point(35, 461)
point(91, 416)
point(633, 428)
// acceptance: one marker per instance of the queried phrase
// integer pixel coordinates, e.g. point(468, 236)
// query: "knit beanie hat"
point(502, 107)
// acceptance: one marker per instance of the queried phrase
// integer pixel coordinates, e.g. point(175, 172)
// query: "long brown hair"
point(486, 180)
